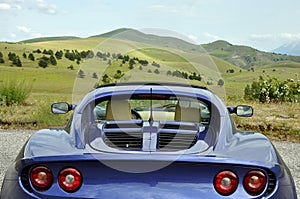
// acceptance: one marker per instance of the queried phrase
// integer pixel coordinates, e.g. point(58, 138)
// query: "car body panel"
point(110, 172)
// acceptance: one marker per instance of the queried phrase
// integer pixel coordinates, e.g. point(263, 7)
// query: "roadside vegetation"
point(14, 92)
point(273, 90)
point(34, 113)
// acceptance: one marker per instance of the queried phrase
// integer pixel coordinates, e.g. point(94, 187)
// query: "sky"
point(262, 24)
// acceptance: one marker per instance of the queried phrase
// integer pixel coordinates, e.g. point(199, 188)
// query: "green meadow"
point(61, 82)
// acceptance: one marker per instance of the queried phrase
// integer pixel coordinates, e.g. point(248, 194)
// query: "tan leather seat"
point(118, 109)
point(187, 111)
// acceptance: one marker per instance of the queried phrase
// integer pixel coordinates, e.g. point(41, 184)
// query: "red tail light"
point(226, 182)
point(41, 178)
point(69, 179)
point(255, 182)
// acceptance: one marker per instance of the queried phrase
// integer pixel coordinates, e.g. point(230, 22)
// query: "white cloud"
point(46, 8)
point(11, 5)
point(287, 36)
point(17, 7)
point(24, 29)
point(192, 37)
point(5, 6)
point(12, 35)
point(262, 36)
point(290, 36)
point(210, 36)
point(39, 5)
point(28, 31)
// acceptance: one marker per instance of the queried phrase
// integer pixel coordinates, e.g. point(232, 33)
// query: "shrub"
point(220, 82)
point(273, 90)
point(81, 74)
point(14, 92)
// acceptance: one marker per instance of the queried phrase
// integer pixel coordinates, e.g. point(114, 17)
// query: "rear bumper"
point(177, 180)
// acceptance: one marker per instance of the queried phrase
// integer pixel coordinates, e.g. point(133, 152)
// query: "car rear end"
point(147, 176)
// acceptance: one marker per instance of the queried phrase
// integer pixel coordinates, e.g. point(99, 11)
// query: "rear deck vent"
point(181, 125)
point(121, 124)
point(271, 183)
point(123, 140)
point(25, 179)
point(176, 141)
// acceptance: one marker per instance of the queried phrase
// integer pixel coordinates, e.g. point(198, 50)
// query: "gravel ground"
point(12, 140)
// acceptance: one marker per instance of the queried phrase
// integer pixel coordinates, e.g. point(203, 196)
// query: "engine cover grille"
point(123, 140)
point(171, 136)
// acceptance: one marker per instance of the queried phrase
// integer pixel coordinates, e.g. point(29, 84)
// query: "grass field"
point(57, 83)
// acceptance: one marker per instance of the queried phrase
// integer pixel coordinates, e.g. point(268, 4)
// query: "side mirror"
point(61, 107)
point(241, 110)
point(244, 111)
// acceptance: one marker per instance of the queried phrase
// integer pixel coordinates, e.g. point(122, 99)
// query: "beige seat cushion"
point(118, 109)
point(157, 115)
point(187, 111)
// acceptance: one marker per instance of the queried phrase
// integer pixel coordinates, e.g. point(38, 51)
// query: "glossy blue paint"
point(148, 174)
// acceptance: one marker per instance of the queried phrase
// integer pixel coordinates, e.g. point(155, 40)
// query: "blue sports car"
point(149, 140)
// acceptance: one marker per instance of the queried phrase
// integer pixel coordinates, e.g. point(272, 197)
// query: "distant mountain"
point(292, 48)
point(244, 56)
point(43, 39)
point(163, 41)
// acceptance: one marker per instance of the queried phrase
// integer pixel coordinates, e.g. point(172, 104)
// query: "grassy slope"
point(244, 56)
point(56, 82)
point(211, 68)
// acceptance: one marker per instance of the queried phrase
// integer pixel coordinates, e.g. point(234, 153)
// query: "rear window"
point(158, 106)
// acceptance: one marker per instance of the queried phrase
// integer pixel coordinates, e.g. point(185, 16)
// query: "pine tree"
point(81, 74)
point(43, 63)
point(59, 54)
point(95, 76)
point(17, 61)
point(53, 60)
point(31, 57)
point(220, 82)
point(1, 58)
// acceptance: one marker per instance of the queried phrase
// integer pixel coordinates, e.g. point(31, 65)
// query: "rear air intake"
point(176, 141)
point(124, 135)
point(174, 136)
point(123, 140)
point(271, 183)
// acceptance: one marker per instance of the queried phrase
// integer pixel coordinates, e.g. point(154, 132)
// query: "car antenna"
point(151, 114)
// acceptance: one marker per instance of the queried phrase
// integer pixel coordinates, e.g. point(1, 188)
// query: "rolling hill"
point(130, 55)
point(246, 57)
point(241, 56)
point(223, 61)
point(161, 41)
